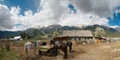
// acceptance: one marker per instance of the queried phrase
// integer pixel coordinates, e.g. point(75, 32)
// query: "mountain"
point(7, 34)
point(106, 28)
point(109, 32)
point(49, 31)
point(118, 28)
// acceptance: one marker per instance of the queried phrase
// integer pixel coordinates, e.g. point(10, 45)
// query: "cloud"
point(82, 19)
point(114, 26)
point(6, 21)
point(57, 12)
point(54, 8)
point(88, 12)
point(102, 8)
point(50, 13)
point(19, 24)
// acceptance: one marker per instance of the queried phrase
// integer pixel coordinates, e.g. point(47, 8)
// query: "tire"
point(40, 53)
point(52, 52)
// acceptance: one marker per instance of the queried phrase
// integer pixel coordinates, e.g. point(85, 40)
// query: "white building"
point(17, 38)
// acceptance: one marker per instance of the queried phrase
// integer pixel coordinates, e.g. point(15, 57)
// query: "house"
point(79, 36)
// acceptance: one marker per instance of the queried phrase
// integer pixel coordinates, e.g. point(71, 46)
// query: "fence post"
point(1, 49)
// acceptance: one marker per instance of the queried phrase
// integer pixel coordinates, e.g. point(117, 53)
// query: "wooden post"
point(7, 45)
point(1, 48)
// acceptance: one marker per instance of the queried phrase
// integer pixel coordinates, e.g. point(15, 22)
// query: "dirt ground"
point(103, 51)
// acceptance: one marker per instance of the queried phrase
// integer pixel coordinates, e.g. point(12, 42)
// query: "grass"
point(7, 55)
point(22, 42)
point(11, 54)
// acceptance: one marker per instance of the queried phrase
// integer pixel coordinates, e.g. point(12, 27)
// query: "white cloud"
point(102, 8)
point(15, 14)
point(50, 13)
point(114, 26)
point(6, 21)
point(57, 12)
point(54, 9)
point(82, 19)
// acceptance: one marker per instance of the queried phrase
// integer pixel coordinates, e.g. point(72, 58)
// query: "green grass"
point(21, 43)
point(11, 54)
point(7, 55)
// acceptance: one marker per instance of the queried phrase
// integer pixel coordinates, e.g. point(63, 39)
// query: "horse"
point(69, 44)
point(30, 45)
point(62, 45)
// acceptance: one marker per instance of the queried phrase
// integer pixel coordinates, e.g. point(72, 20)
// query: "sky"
point(23, 14)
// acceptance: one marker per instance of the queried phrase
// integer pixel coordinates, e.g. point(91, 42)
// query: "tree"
point(23, 35)
point(99, 32)
point(55, 34)
point(44, 36)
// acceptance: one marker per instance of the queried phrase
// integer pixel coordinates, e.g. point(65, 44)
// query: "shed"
point(79, 35)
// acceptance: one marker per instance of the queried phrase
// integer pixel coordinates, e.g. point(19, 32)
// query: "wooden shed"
point(79, 36)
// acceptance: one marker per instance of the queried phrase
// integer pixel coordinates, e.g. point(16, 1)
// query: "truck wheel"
point(40, 53)
point(53, 52)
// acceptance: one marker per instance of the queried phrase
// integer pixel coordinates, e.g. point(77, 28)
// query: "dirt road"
point(100, 52)
point(104, 51)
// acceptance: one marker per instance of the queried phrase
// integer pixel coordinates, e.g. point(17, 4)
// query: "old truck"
point(47, 49)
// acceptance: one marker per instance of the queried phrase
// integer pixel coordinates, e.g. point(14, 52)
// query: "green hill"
point(48, 31)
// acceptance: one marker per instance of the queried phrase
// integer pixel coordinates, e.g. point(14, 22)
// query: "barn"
point(79, 36)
